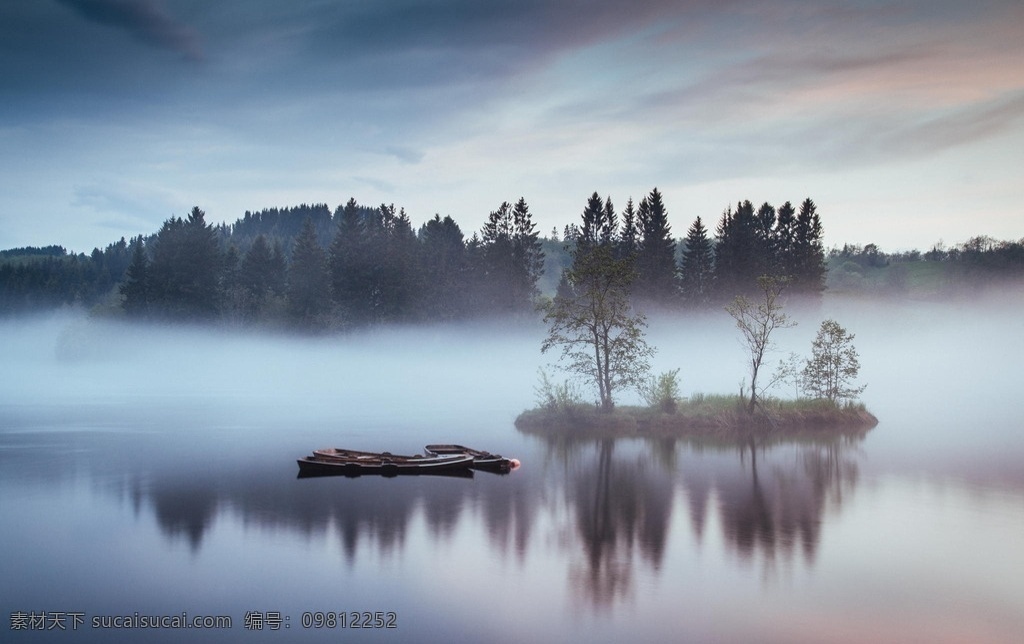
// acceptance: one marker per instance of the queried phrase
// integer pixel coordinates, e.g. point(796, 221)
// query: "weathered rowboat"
point(356, 463)
point(481, 460)
point(312, 467)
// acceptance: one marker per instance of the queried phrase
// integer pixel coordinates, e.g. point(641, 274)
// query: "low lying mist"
point(941, 376)
point(394, 374)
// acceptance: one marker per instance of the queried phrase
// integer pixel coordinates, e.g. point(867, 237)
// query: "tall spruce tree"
point(512, 259)
point(629, 235)
point(350, 262)
point(808, 254)
point(764, 229)
point(527, 253)
point(444, 283)
point(594, 225)
point(394, 272)
point(656, 254)
point(697, 266)
point(609, 225)
point(496, 256)
point(738, 260)
point(135, 288)
point(186, 268)
point(783, 238)
point(262, 273)
point(308, 280)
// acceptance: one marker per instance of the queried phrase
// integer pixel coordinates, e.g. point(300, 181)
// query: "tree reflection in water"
point(769, 500)
point(610, 504)
point(774, 502)
point(621, 508)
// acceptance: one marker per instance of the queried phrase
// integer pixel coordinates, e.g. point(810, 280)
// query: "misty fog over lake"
point(151, 470)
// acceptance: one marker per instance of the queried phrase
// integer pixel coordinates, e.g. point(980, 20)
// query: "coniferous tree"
point(497, 260)
point(808, 252)
point(609, 224)
point(135, 288)
point(350, 264)
point(308, 279)
point(258, 270)
point(629, 236)
point(261, 277)
point(165, 290)
point(512, 259)
point(656, 254)
point(766, 260)
point(204, 261)
point(186, 268)
point(444, 284)
point(528, 254)
point(783, 238)
point(571, 234)
point(235, 301)
point(737, 263)
point(593, 224)
point(396, 251)
point(697, 269)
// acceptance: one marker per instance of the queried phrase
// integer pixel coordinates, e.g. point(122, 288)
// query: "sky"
point(902, 120)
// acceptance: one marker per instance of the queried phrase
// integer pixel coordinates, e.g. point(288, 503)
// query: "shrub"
point(557, 397)
point(662, 391)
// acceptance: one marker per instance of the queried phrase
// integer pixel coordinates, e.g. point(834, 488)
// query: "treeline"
point(50, 277)
point(700, 270)
point(359, 266)
point(362, 265)
point(938, 272)
point(309, 266)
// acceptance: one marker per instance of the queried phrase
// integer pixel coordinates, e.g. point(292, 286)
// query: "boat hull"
point(481, 460)
point(352, 463)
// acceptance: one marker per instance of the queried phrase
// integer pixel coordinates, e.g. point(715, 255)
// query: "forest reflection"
point(611, 505)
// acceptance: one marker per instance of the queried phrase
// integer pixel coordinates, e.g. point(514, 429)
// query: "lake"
point(148, 476)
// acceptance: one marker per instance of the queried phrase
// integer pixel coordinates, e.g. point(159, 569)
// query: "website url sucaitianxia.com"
point(73, 621)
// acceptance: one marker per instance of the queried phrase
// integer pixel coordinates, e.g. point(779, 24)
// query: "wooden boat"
point(481, 460)
point(311, 467)
point(356, 463)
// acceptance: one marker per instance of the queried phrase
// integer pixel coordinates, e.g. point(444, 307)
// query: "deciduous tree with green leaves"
point(833, 365)
point(601, 338)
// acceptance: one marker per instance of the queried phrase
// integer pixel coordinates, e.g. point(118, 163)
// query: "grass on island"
point(702, 415)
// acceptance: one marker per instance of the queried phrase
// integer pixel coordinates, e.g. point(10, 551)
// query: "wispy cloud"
point(453, 105)
point(404, 154)
point(146, 20)
point(959, 127)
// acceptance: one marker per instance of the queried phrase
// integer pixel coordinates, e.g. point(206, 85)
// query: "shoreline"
point(773, 420)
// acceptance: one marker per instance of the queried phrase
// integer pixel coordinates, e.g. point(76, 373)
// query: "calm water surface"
point(151, 472)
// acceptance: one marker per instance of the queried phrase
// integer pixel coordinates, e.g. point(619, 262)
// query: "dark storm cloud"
point(146, 20)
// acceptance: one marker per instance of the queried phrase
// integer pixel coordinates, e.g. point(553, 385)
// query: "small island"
point(702, 416)
point(602, 343)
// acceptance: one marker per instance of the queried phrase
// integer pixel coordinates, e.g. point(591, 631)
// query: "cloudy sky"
point(903, 120)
